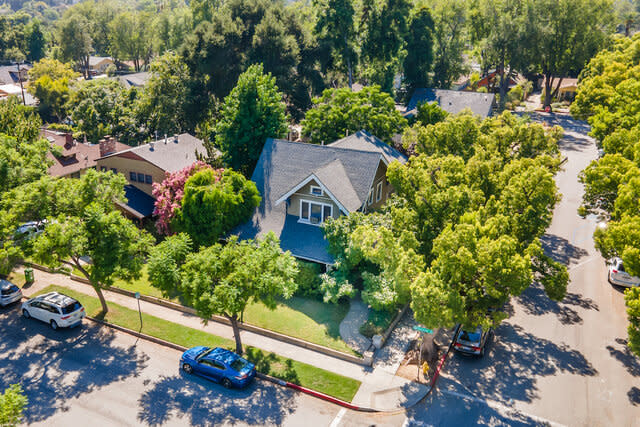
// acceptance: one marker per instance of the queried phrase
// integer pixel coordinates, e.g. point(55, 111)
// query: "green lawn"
point(300, 373)
point(308, 319)
point(16, 278)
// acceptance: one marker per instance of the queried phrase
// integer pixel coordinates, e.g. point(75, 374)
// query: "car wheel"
point(187, 368)
point(54, 325)
point(482, 351)
point(25, 313)
point(226, 383)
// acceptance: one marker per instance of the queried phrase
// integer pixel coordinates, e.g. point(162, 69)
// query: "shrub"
point(308, 279)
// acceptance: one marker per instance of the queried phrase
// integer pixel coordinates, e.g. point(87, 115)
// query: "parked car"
point(218, 364)
point(30, 229)
point(617, 275)
point(473, 342)
point(58, 310)
point(9, 293)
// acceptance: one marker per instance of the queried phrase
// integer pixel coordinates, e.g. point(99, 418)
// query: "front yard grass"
point(304, 318)
point(269, 363)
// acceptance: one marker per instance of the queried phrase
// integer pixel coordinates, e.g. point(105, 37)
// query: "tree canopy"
point(214, 202)
point(12, 404)
point(253, 112)
point(224, 279)
point(339, 112)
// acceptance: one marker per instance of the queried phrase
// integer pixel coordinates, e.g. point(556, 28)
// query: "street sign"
point(421, 329)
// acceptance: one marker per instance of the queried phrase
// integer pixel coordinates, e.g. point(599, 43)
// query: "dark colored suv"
point(473, 342)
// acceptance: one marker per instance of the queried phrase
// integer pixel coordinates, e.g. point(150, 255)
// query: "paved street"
point(96, 377)
point(563, 363)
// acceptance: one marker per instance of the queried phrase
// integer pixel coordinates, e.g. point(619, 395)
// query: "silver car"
point(617, 275)
point(58, 310)
point(9, 293)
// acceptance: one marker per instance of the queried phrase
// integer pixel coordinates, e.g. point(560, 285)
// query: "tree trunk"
point(236, 332)
point(504, 84)
point(548, 85)
point(347, 53)
point(103, 302)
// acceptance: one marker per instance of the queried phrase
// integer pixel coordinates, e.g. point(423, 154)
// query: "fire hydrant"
point(425, 368)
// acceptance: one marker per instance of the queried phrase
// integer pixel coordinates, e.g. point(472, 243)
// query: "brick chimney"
point(68, 140)
point(107, 145)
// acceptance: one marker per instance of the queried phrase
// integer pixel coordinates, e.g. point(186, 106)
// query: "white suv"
point(9, 293)
point(617, 275)
point(58, 310)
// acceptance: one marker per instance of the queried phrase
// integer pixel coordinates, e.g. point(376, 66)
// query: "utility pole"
point(24, 102)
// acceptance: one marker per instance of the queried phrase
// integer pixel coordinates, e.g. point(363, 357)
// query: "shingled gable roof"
point(452, 101)
point(364, 141)
point(346, 173)
point(170, 156)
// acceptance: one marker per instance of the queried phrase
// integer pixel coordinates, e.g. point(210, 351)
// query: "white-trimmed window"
point(314, 213)
point(379, 191)
point(316, 191)
point(370, 201)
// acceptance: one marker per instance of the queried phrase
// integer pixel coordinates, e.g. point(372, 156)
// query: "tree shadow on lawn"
point(64, 364)
point(535, 302)
point(208, 404)
point(514, 361)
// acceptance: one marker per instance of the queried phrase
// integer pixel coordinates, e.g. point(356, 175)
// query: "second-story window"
point(133, 177)
point(148, 179)
point(379, 191)
point(140, 177)
point(316, 191)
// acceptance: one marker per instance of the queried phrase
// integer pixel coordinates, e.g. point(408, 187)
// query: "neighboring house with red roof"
point(76, 157)
point(147, 164)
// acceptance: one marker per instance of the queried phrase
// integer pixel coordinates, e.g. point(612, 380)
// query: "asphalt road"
point(552, 363)
point(94, 376)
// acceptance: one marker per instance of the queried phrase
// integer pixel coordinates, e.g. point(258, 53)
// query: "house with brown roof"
point(147, 164)
point(302, 185)
point(76, 157)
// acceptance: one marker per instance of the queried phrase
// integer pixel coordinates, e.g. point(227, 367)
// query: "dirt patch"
point(409, 368)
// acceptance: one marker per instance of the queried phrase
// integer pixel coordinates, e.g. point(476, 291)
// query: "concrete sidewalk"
point(380, 388)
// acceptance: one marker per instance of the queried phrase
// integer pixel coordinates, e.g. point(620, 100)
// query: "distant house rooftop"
point(9, 73)
point(133, 80)
point(76, 156)
point(171, 154)
point(452, 101)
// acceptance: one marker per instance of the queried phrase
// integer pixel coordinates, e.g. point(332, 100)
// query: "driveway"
point(102, 376)
point(566, 362)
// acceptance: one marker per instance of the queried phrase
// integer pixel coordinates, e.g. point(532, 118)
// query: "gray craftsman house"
point(302, 185)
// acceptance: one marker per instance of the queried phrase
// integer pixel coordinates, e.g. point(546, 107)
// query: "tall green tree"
point(129, 37)
point(223, 280)
point(382, 50)
point(253, 112)
point(450, 20)
point(50, 81)
point(418, 63)
point(214, 202)
point(564, 40)
point(335, 29)
point(84, 222)
point(12, 404)
point(339, 112)
point(162, 105)
point(36, 41)
point(75, 42)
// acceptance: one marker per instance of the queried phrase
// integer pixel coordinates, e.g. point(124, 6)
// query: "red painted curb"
point(328, 398)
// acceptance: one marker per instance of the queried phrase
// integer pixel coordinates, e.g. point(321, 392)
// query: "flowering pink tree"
point(169, 193)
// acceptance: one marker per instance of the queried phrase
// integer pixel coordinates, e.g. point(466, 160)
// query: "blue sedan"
point(218, 364)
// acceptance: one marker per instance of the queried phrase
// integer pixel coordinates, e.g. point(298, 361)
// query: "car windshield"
point(10, 290)
point(239, 364)
point(470, 336)
point(75, 306)
point(621, 266)
point(204, 353)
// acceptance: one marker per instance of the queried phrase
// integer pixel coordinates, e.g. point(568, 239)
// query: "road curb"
point(259, 375)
